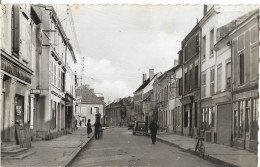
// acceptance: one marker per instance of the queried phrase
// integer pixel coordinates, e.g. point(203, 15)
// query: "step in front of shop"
point(15, 152)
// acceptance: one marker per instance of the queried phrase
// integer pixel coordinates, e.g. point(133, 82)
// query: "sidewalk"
point(225, 155)
point(57, 152)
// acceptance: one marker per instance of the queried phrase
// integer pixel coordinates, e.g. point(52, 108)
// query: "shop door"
point(224, 124)
point(19, 110)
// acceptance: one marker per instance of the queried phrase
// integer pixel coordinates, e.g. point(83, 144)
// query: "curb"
point(206, 157)
point(75, 153)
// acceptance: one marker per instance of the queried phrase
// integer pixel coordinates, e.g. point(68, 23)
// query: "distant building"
point(119, 113)
point(146, 86)
point(88, 106)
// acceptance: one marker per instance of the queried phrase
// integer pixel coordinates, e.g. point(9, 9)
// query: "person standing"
point(97, 129)
point(153, 128)
point(89, 129)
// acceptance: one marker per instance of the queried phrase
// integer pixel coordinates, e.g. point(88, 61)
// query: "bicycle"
point(200, 146)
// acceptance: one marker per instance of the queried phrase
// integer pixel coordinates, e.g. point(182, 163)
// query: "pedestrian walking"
point(89, 129)
point(97, 129)
point(153, 128)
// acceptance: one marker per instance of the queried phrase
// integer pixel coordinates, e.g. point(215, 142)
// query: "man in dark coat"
point(97, 129)
point(153, 128)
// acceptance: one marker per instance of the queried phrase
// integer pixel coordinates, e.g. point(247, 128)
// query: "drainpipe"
point(231, 91)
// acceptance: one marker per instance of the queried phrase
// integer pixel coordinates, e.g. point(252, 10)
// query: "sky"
point(121, 43)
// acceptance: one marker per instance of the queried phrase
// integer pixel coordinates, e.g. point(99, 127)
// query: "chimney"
point(151, 73)
point(92, 90)
point(205, 10)
point(176, 62)
point(144, 77)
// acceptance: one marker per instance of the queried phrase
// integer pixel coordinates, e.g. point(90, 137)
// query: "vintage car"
point(140, 127)
point(131, 125)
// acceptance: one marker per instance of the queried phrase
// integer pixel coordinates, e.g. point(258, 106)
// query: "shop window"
point(241, 119)
point(196, 115)
point(254, 127)
point(212, 116)
point(236, 123)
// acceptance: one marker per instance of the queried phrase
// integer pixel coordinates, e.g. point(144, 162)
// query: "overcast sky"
point(121, 43)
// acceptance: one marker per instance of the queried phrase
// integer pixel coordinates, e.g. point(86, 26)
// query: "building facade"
point(191, 82)
point(117, 113)
point(88, 106)
point(18, 30)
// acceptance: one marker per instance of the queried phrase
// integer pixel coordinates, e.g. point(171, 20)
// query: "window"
point(203, 85)
point(204, 48)
point(15, 36)
point(180, 86)
point(52, 75)
point(211, 43)
point(235, 123)
point(186, 81)
point(55, 74)
point(241, 72)
point(196, 76)
point(212, 80)
point(228, 75)
point(190, 79)
point(219, 78)
point(59, 78)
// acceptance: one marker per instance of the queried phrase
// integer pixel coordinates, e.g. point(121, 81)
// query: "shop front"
point(245, 120)
point(15, 99)
point(208, 115)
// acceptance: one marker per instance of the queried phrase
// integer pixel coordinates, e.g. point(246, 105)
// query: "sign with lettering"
point(23, 136)
point(14, 70)
point(35, 91)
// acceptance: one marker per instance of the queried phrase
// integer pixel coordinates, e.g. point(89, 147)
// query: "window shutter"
point(16, 34)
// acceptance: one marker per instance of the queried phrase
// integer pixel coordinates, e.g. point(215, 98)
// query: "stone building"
point(18, 35)
point(241, 40)
point(117, 113)
point(89, 106)
point(146, 86)
point(191, 82)
point(216, 17)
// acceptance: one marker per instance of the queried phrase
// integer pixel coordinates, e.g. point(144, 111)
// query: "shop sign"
point(15, 71)
point(35, 91)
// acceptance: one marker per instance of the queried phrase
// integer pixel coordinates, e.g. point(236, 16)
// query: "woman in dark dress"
point(89, 129)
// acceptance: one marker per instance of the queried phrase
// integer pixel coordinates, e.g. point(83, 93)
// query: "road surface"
point(119, 148)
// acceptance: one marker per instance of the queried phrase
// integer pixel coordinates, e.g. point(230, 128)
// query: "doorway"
point(19, 110)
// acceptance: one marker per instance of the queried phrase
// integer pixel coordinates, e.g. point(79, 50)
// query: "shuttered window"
point(219, 78)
